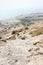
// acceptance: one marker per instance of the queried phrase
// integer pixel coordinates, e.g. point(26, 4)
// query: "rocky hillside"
point(21, 40)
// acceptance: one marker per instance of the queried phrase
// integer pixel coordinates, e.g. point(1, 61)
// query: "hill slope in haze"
point(21, 40)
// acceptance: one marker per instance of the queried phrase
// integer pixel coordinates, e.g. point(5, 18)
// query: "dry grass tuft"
point(37, 32)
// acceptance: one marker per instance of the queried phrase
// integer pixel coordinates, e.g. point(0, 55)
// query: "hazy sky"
point(12, 8)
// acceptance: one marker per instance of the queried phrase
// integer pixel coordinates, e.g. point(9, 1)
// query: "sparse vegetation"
point(37, 32)
point(26, 23)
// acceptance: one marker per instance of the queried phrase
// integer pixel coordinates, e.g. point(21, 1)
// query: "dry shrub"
point(37, 32)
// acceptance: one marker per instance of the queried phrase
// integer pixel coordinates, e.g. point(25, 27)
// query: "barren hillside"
point(21, 40)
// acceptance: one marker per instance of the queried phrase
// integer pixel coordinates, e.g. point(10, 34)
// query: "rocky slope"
point(21, 40)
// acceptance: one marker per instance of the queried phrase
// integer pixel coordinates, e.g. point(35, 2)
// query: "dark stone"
point(0, 37)
point(16, 60)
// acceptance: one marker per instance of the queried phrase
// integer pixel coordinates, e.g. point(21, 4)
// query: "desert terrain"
point(21, 40)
